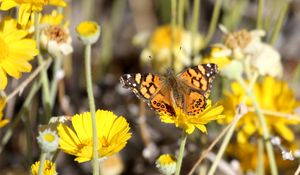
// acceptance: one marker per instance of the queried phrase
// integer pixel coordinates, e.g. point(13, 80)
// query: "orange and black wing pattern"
point(199, 79)
point(148, 87)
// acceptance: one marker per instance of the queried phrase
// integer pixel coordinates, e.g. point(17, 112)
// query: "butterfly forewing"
point(148, 87)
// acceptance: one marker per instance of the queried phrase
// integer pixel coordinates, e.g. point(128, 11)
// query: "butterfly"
point(188, 90)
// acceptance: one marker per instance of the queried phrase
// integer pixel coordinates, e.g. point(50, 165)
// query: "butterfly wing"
point(199, 79)
point(149, 88)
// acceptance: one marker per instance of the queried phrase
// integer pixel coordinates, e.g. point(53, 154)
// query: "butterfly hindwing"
point(161, 102)
point(195, 102)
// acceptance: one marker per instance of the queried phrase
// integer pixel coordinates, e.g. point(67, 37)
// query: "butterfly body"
point(187, 90)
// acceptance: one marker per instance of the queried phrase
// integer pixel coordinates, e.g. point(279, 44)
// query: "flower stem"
point(260, 161)
point(42, 160)
point(195, 23)
point(173, 30)
point(279, 22)
point(213, 22)
point(181, 152)
point(259, 19)
point(224, 143)
point(89, 88)
point(181, 5)
point(45, 81)
point(53, 87)
point(263, 123)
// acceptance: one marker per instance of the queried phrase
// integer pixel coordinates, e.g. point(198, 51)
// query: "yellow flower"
point(27, 7)
point(3, 122)
point(113, 134)
point(49, 168)
point(161, 48)
point(274, 97)
point(166, 164)
point(88, 32)
point(189, 122)
point(247, 155)
point(16, 51)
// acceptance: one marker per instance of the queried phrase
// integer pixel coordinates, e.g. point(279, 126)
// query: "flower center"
point(56, 33)
point(49, 137)
point(104, 142)
point(4, 49)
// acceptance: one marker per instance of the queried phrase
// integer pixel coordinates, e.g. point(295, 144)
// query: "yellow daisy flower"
point(190, 122)
point(274, 98)
point(247, 155)
point(27, 7)
point(3, 122)
point(16, 51)
point(49, 168)
point(113, 134)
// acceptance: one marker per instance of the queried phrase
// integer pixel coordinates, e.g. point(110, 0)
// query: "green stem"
point(89, 89)
point(42, 161)
point(259, 19)
point(213, 22)
point(181, 152)
point(224, 144)
point(195, 23)
point(44, 77)
point(260, 161)
point(16, 120)
point(173, 30)
point(181, 5)
point(296, 76)
point(279, 22)
point(263, 123)
point(53, 87)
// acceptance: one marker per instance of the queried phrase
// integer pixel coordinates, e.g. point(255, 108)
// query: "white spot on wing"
point(208, 65)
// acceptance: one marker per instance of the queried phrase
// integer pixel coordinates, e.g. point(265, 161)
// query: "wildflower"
point(55, 38)
point(16, 51)
point(274, 97)
point(247, 47)
point(49, 168)
point(161, 48)
point(48, 140)
point(88, 32)
point(189, 123)
point(113, 133)
point(27, 7)
point(166, 164)
point(3, 122)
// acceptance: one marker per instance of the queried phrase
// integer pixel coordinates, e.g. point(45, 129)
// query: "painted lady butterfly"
point(187, 90)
